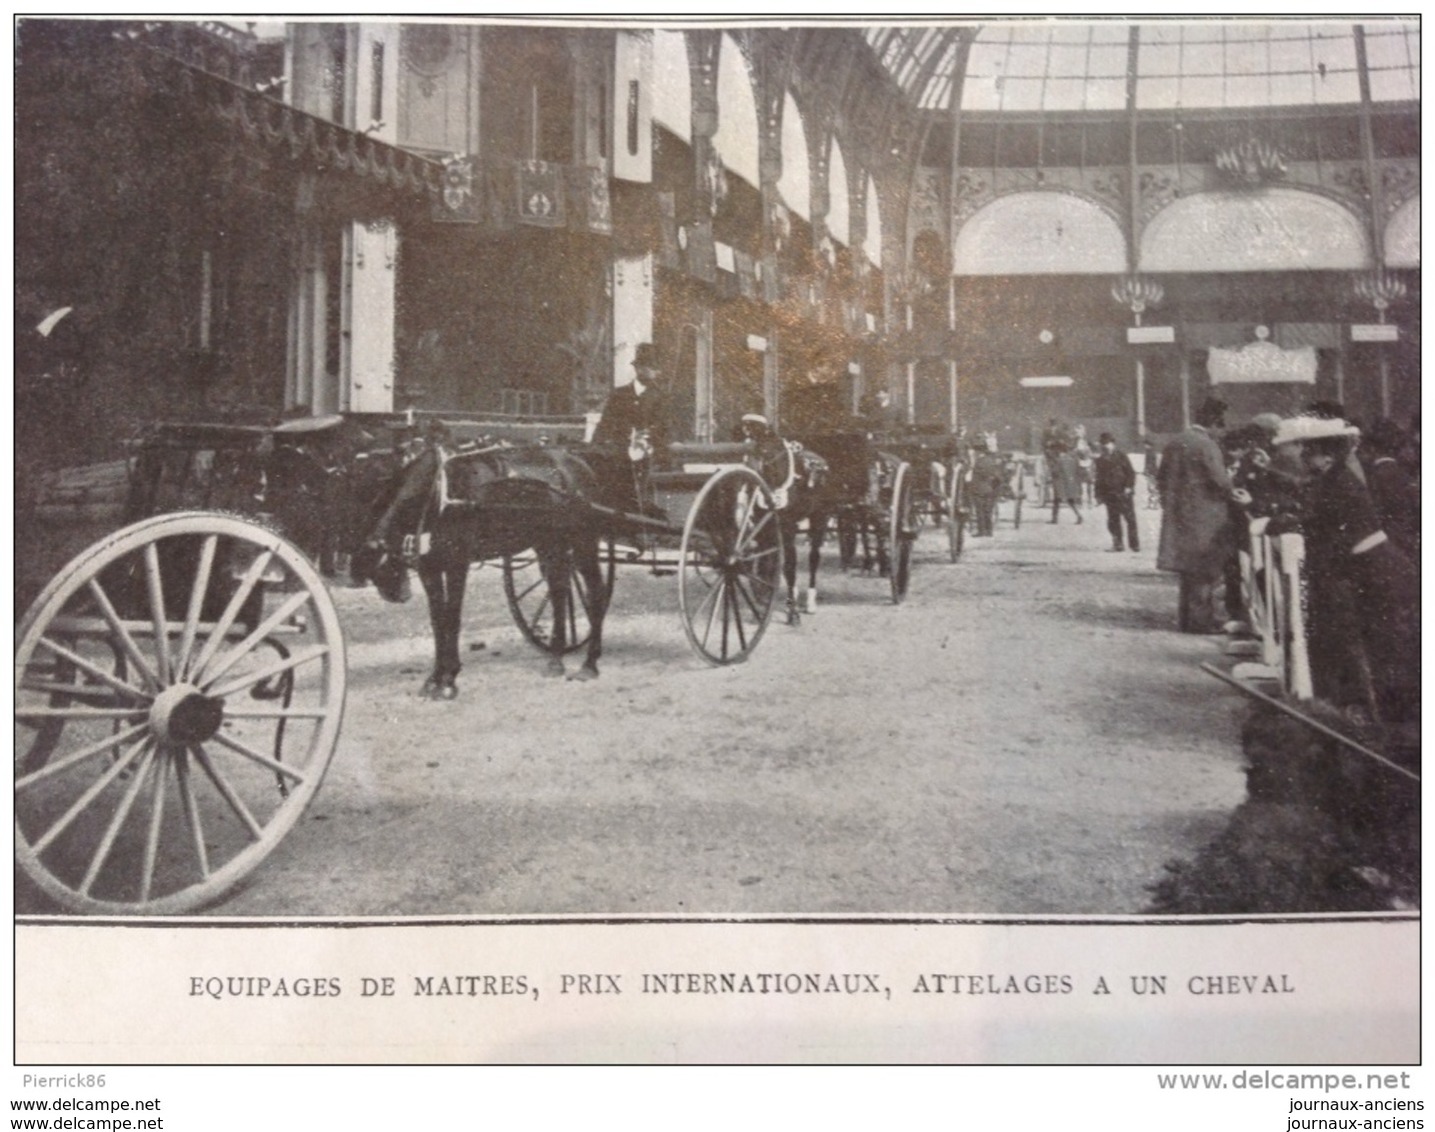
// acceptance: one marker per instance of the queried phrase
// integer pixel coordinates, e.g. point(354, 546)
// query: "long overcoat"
point(1196, 531)
point(1061, 466)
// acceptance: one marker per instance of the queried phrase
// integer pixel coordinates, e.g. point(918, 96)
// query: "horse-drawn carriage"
point(869, 498)
point(937, 469)
point(180, 681)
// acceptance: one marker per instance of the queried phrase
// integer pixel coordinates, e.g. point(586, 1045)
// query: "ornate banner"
point(460, 200)
point(591, 187)
point(1261, 362)
point(540, 194)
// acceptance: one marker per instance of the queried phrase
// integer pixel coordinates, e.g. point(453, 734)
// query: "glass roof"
point(1209, 64)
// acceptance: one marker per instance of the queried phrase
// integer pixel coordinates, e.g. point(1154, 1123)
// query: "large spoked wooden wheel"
point(956, 511)
point(531, 602)
point(179, 688)
point(731, 558)
point(901, 532)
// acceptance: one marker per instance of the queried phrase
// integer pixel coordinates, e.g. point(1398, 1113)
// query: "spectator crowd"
point(1353, 496)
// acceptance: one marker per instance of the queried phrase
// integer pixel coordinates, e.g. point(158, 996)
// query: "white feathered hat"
point(1294, 429)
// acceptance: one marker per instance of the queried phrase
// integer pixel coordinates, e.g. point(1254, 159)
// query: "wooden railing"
point(1274, 587)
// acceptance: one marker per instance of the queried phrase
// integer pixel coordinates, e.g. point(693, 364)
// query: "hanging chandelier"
point(1136, 293)
point(1380, 289)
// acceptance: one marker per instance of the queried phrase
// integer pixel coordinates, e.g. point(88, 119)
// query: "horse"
point(841, 485)
point(798, 478)
point(447, 508)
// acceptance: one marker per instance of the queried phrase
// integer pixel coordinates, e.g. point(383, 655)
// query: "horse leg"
point(443, 583)
point(789, 570)
point(588, 562)
point(816, 533)
point(557, 574)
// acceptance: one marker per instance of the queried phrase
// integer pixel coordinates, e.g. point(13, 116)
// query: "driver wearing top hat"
point(633, 429)
point(633, 418)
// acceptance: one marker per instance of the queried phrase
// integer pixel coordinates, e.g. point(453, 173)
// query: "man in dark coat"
point(1196, 533)
point(632, 435)
point(988, 476)
point(1393, 491)
point(1116, 488)
point(635, 413)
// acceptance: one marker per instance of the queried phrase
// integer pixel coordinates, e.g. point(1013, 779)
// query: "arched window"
point(795, 184)
point(672, 84)
point(737, 132)
point(1039, 233)
point(1402, 235)
point(1276, 229)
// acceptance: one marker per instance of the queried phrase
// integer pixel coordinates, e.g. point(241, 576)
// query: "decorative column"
point(1136, 293)
point(1380, 290)
point(770, 88)
point(710, 184)
point(1185, 390)
point(366, 364)
point(954, 110)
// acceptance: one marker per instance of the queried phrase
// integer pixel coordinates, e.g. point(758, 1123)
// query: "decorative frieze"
point(968, 195)
point(1157, 189)
point(926, 205)
point(1399, 181)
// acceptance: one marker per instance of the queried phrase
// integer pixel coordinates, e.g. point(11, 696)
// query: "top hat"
point(646, 355)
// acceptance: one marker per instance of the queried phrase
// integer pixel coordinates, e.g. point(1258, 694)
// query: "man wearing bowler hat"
point(1115, 486)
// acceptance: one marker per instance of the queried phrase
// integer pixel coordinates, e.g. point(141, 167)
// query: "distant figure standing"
point(1115, 486)
point(1064, 487)
point(988, 475)
point(1196, 534)
point(1085, 467)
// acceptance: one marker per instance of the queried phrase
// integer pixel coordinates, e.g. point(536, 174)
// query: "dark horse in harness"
point(448, 508)
point(841, 486)
point(853, 497)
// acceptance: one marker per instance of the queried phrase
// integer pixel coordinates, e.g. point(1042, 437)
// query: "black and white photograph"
point(717, 539)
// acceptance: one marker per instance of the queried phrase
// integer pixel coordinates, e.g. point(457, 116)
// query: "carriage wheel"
point(956, 513)
point(532, 606)
point(902, 532)
point(731, 565)
point(204, 700)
